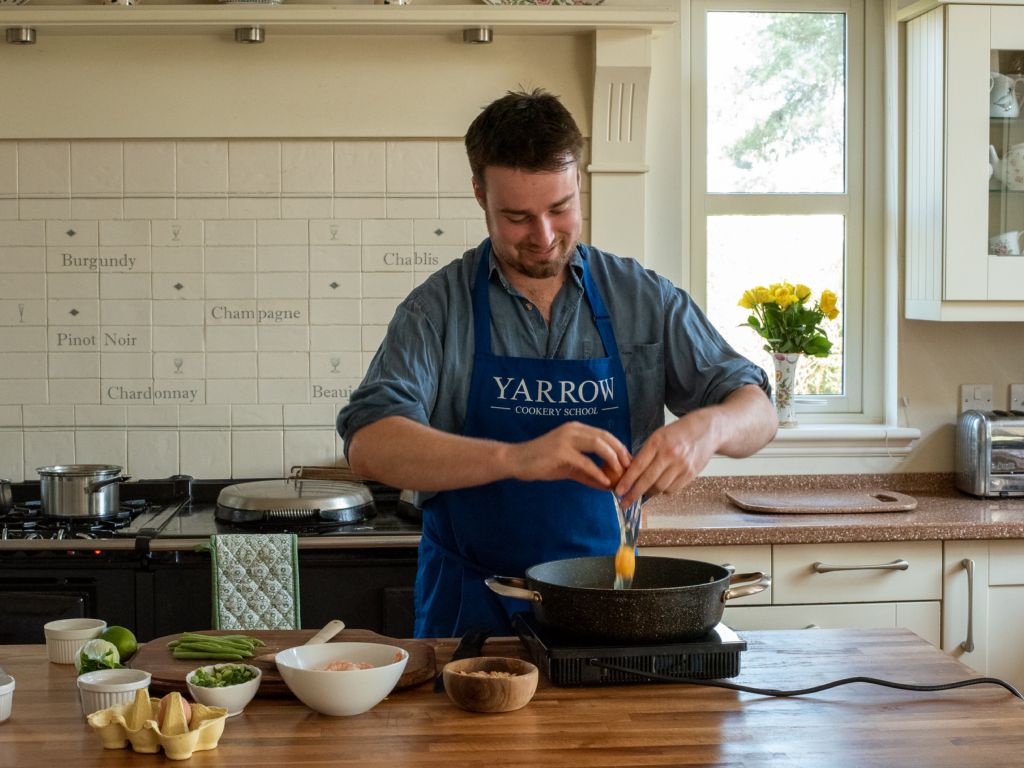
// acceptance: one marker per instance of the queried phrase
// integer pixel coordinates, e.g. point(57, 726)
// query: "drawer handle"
point(968, 565)
point(895, 565)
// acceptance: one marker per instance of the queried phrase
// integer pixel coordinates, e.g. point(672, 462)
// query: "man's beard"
point(534, 270)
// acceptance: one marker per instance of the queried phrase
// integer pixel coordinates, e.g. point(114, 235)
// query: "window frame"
point(864, 289)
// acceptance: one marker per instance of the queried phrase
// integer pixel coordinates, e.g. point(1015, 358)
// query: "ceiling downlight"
point(480, 35)
point(249, 35)
point(21, 35)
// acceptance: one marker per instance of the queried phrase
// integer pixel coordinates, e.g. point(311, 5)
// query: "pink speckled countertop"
point(702, 515)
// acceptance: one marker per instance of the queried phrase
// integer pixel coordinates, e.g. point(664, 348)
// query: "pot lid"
point(80, 470)
point(295, 494)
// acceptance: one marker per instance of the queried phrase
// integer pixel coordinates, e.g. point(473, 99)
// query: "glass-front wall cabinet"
point(965, 163)
point(1006, 153)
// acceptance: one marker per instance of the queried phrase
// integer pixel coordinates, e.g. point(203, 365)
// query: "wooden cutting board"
point(821, 502)
point(169, 673)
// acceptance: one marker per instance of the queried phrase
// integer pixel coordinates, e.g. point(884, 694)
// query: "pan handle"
point(743, 584)
point(512, 586)
point(100, 484)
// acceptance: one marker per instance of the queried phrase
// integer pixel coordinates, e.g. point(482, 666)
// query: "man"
point(517, 380)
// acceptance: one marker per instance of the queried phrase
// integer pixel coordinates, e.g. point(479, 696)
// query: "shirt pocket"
point(643, 358)
point(645, 379)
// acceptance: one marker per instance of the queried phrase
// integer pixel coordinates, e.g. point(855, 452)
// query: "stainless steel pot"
point(6, 500)
point(80, 490)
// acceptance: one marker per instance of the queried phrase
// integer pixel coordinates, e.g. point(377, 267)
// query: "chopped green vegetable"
point(221, 647)
point(223, 675)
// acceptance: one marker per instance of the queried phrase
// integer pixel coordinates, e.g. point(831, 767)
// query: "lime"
point(123, 640)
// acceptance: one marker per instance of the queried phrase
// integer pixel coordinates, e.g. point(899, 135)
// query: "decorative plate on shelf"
point(543, 2)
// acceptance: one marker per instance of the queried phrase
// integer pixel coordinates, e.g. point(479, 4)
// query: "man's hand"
point(565, 453)
point(677, 453)
point(671, 458)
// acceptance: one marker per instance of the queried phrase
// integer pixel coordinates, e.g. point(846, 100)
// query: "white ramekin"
point(6, 697)
point(65, 636)
point(105, 688)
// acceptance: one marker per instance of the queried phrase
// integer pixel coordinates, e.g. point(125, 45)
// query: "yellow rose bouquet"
point(784, 315)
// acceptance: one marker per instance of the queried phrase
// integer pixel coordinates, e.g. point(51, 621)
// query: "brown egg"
point(613, 474)
point(165, 712)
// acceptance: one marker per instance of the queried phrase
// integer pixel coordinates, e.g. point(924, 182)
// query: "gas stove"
point(164, 513)
point(28, 522)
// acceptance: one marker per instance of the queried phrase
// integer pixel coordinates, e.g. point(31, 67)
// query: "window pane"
point(776, 102)
point(748, 251)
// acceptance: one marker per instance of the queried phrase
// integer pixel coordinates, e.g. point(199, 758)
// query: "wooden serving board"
point(169, 673)
point(822, 501)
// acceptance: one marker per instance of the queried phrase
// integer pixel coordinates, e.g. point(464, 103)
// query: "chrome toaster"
point(990, 453)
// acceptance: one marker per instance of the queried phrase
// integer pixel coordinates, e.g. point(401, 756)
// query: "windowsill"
point(819, 437)
point(825, 449)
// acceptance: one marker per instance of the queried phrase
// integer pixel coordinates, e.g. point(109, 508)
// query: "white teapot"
point(1002, 90)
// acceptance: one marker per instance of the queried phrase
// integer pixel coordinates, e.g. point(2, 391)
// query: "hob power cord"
point(813, 689)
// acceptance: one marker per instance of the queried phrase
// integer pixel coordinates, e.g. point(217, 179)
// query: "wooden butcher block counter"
point(851, 726)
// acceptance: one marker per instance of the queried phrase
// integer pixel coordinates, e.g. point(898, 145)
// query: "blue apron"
point(507, 526)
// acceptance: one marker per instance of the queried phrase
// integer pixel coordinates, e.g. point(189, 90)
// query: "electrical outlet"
point(976, 397)
point(1017, 397)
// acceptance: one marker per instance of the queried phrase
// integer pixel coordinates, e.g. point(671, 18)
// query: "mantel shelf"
point(311, 19)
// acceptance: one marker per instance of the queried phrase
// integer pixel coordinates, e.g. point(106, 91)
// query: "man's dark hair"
point(529, 131)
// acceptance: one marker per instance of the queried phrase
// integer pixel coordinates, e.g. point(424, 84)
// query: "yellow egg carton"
point(136, 724)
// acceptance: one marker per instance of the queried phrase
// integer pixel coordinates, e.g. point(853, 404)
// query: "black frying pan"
point(672, 600)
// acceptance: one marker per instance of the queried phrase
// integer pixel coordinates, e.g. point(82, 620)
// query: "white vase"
point(782, 390)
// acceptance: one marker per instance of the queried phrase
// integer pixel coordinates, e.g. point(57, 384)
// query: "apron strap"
point(451, 554)
point(482, 301)
point(600, 311)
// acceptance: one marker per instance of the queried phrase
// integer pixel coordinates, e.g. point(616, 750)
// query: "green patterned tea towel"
point(255, 581)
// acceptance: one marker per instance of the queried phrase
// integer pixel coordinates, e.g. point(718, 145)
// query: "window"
point(779, 178)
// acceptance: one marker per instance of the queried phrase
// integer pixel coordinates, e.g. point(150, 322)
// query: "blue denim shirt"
point(672, 355)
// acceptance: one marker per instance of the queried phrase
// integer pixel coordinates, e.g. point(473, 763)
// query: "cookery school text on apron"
point(507, 526)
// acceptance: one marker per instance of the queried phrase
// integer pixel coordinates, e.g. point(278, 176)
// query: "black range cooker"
point(148, 566)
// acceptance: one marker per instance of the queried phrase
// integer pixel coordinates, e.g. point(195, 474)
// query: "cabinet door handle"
point(895, 565)
point(968, 565)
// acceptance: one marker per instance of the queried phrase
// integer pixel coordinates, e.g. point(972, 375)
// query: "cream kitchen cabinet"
point(963, 223)
point(888, 584)
point(983, 616)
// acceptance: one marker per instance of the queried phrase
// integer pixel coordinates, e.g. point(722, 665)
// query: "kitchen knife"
point(471, 644)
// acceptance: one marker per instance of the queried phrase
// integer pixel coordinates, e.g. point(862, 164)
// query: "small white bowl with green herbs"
point(231, 685)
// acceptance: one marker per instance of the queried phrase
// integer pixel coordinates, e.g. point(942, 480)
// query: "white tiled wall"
point(206, 306)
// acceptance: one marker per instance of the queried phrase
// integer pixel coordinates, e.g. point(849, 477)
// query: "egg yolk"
point(625, 562)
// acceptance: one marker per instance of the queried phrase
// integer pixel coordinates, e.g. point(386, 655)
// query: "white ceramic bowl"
point(350, 692)
point(65, 636)
point(6, 696)
point(232, 697)
point(105, 688)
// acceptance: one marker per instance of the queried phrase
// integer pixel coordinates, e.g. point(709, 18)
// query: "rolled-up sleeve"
point(701, 368)
point(402, 377)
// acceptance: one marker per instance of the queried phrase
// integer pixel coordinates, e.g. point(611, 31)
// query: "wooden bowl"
point(484, 692)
